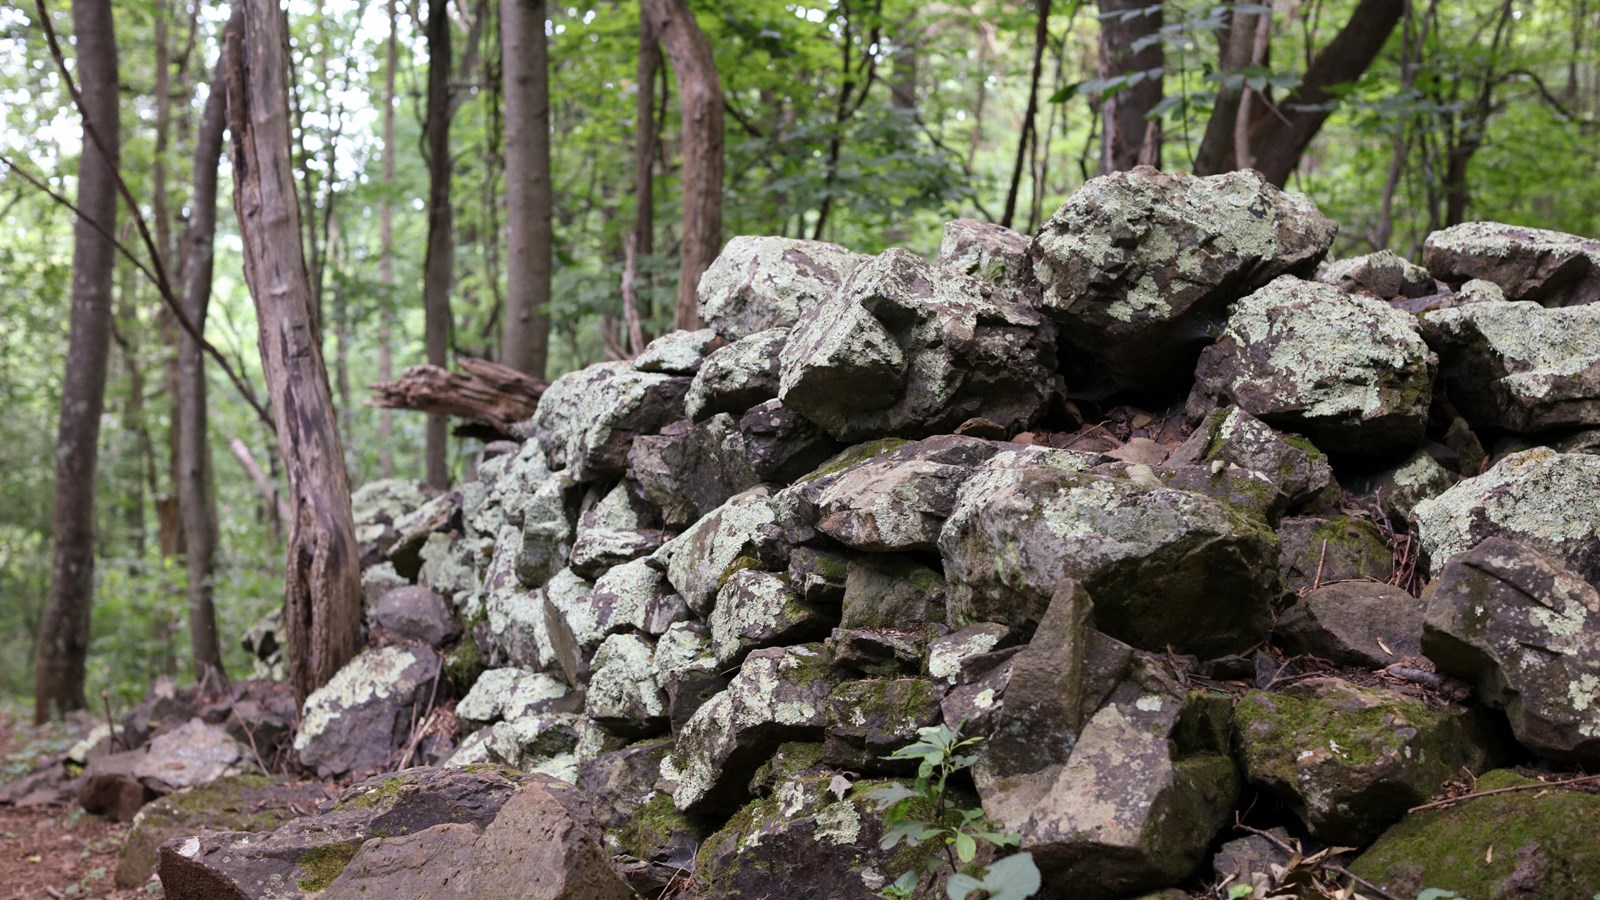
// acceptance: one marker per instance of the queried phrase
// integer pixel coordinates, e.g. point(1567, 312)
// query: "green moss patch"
point(321, 865)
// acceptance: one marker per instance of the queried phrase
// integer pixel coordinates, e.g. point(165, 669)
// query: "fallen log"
point(486, 392)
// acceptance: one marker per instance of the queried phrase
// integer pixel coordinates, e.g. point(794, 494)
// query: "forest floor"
point(52, 851)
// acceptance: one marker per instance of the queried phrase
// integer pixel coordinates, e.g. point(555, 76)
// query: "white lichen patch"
point(508, 693)
point(623, 684)
point(373, 675)
point(1544, 498)
point(838, 824)
point(946, 656)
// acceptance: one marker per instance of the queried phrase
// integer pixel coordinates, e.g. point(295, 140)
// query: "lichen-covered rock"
point(779, 695)
point(357, 720)
point(627, 597)
point(544, 742)
point(1527, 631)
point(878, 652)
point(688, 671)
point(1165, 566)
point(803, 840)
point(192, 754)
point(1419, 477)
point(511, 694)
point(677, 352)
point(1522, 843)
point(989, 253)
point(1353, 623)
point(572, 622)
point(1549, 267)
point(1350, 373)
point(1137, 801)
point(892, 591)
point(780, 445)
point(1541, 498)
point(618, 527)
point(758, 283)
point(634, 817)
point(1519, 366)
point(587, 419)
point(757, 609)
point(897, 500)
point(516, 630)
point(549, 514)
point(249, 803)
point(701, 559)
point(1234, 437)
point(623, 696)
point(305, 855)
point(868, 720)
point(1138, 265)
point(902, 349)
point(738, 376)
point(691, 468)
point(950, 655)
point(414, 613)
point(1385, 275)
point(375, 506)
point(1349, 760)
point(1319, 550)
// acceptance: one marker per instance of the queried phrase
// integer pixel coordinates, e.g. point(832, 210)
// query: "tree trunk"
point(63, 644)
point(1217, 151)
point(700, 109)
point(1281, 140)
point(197, 501)
point(1129, 136)
point(438, 269)
point(524, 61)
point(386, 248)
point(322, 596)
point(1041, 36)
point(636, 305)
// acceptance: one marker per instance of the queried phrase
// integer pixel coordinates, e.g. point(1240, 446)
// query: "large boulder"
point(1519, 366)
point(897, 500)
point(757, 283)
point(904, 349)
point(1541, 498)
point(1350, 760)
point(587, 419)
point(1548, 267)
point(192, 754)
point(414, 613)
point(691, 468)
point(1527, 631)
point(1353, 623)
point(1165, 566)
point(1138, 266)
point(738, 376)
point(1351, 373)
point(357, 721)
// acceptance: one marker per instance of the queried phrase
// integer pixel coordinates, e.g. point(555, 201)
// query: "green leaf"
point(1240, 890)
point(890, 794)
point(960, 885)
point(1442, 894)
point(966, 847)
point(1013, 878)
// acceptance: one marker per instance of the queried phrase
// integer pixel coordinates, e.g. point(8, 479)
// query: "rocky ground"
point(1240, 569)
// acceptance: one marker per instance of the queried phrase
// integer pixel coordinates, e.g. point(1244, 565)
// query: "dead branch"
point(497, 396)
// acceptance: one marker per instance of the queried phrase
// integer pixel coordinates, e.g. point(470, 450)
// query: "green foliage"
point(922, 817)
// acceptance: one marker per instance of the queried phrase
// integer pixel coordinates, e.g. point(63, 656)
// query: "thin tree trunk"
point(197, 500)
point(63, 644)
point(524, 64)
point(1217, 151)
point(1130, 136)
point(322, 597)
point(277, 507)
point(1041, 36)
point(636, 305)
point(700, 109)
point(386, 249)
point(1281, 140)
point(438, 269)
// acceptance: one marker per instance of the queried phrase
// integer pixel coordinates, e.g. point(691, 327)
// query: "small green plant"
point(923, 817)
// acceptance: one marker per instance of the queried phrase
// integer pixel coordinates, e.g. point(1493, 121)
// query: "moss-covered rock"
point(1319, 550)
point(868, 720)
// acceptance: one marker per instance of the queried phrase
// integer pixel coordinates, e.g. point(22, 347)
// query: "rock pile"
point(716, 586)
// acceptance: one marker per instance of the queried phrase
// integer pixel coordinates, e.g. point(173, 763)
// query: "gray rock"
point(1350, 760)
point(990, 253)
point(572, 622)
point(702, 558)
point(869, 720)
point(1398, 490)
point(893, 591)
point(363, 715)
point(375, 506)
point(1137, 801)
point(897, 500)
point(1319, 550)
point(1523, 628)
point(192, 754)
point(1138, 266)
point(757, 609)
point(623, 695)
point(1351, 623)
point(625, 598)
point(109, 787)
point(1538, 497)
point(548, 518)
point(738, 376)
point(780, 445)
point(1234, 437)
point(779, 695)
point(511, 694)
point(514, 615)
point(1385, 275)
point(1518, 366)
point(1348, 372)
point(416, 614)
point(677, 352)
point(903, 349)
point(687, 670)
point(546, 743)
point(1549, 267)
point(950, 655)
point(691, 468)
point(1165, 566)
point(758, 283)
point(587, 419)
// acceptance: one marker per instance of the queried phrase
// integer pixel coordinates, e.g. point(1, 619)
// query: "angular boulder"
point(1518, 366)
point(757, 609)
point(757, 283)
point(623, 696)
point(1234, 437)
point(897, 500)
point(1320, 550)
point(701, 559)
point(738, 376)
point(1351, 373)
point(1138, 266)
point(587, 419)
point(363, 715)
point(677, 352)
point(1548, 267)
point(1353, 623)
point(691, 468)
point(414, 613)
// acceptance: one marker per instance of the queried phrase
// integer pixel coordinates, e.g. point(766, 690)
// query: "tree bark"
point(1217, 151)
point(1281, 140)
point(524, 61)
point(1129, 136)
point(439, 267)
point(636, 306)
point(197, 500)
point(386, 248)
point(63, 644)
point(1041, 36)
point(322, 596)
point(700, 109)
point(495, 395)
